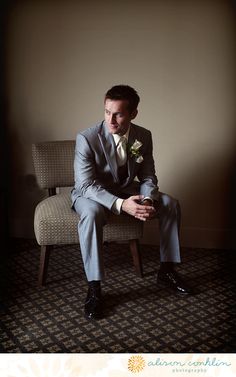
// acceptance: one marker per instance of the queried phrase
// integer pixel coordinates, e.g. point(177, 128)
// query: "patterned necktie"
point(121, 151)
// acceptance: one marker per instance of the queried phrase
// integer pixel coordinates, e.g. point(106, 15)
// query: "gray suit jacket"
point(96, 169)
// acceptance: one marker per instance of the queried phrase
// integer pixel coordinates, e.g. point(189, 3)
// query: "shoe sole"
point(93, 317)
point(172, 289)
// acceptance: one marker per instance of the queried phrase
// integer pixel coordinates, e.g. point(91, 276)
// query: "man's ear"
point(134, 114)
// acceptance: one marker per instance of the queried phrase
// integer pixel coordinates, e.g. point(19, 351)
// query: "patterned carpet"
point(139, 316)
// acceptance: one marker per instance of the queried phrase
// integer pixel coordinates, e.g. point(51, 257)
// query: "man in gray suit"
point(112, 176)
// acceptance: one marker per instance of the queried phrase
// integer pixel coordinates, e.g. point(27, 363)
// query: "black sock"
point(94, 283)
point(166, 266)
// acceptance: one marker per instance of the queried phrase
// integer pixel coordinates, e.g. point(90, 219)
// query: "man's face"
point(118, 116)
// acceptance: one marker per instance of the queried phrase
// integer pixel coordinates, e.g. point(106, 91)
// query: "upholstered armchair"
point(55, 223)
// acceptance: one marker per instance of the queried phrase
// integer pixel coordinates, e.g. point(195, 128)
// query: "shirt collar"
point(117, 137)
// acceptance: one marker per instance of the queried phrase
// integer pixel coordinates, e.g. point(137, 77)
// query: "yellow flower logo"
point(136, 364)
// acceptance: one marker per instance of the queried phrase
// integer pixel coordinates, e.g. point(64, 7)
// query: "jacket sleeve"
point(86, 182)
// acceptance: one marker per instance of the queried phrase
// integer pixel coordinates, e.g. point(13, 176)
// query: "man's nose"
point(112, 119)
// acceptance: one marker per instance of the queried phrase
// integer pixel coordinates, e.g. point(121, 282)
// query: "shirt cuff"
point(147, 198)
point(116, 207)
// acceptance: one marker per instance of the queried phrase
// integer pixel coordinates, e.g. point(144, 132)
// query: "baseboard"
point(189, 237)
point(194, 237)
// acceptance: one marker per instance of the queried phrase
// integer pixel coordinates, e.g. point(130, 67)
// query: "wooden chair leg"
point(43, 267)
point(134, 248)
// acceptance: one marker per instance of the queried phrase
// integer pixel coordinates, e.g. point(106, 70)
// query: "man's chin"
point(113, 130)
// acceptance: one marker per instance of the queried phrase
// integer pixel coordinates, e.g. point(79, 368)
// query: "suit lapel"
point(109, 149)
point(131, 160)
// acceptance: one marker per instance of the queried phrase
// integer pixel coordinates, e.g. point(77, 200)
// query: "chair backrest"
point(53, 163)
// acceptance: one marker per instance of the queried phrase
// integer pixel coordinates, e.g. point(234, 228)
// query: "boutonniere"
point(134, 151)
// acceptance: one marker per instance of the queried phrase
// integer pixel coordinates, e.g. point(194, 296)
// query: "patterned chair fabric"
point(55, 223)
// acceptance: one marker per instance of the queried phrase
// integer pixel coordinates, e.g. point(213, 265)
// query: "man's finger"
point(137, 197)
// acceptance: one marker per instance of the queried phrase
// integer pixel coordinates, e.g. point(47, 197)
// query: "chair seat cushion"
point(56, 223)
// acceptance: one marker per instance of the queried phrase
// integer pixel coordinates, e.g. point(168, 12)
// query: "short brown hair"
point(124, 92)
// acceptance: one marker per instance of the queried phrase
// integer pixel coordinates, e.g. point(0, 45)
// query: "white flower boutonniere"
point(135, 152)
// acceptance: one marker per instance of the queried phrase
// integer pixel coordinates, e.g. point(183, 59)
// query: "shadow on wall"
point(231, 202)
point(207, 196)
point(24, 192)
point(208, 213)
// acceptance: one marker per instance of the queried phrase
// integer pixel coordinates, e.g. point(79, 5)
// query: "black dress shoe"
point(172, 280)
point(93, 303)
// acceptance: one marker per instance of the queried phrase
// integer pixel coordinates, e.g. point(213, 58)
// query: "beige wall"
point(180, 56)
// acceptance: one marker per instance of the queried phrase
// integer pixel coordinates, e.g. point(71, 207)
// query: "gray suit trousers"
point(93, 216)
